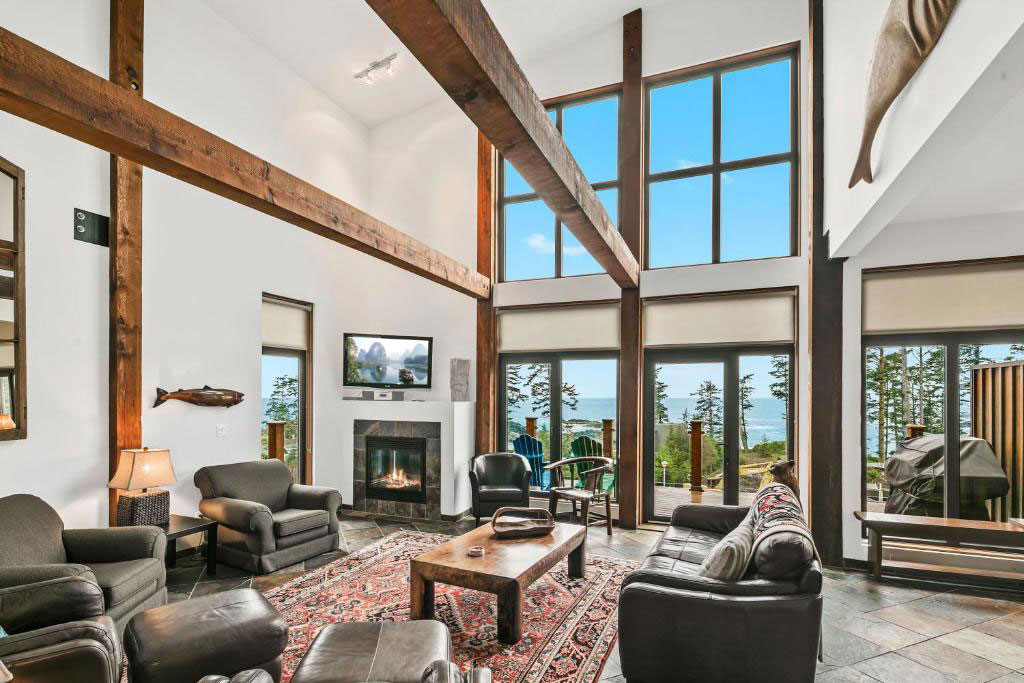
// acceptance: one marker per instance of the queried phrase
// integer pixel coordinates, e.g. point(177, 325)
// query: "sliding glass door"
point(740, 401)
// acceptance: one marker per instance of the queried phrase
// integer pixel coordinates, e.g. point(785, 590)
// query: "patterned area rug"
point(569, 625)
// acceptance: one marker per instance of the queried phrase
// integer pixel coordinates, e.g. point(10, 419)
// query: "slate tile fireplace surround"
point(397, 468)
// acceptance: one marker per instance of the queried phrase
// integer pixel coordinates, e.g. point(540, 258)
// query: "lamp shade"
point(7, 422)
point(143, 468)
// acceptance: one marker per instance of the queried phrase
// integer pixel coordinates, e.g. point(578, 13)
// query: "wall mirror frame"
point(13, 424)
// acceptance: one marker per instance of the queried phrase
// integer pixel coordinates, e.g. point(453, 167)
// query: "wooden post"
point(606, 437)
point(531, 426)
point(631, 173)
point(125, 337)
point(914, 431)
point(696, 455)
point(275, 439)
point(486, 320)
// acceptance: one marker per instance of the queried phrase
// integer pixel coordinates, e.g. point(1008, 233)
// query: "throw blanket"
point(776, 509)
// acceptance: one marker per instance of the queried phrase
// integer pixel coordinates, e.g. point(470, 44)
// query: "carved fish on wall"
point(207, 396)
point(910, 30)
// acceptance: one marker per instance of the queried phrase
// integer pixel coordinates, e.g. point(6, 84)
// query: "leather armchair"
point(498, 480)
point(677, 626)
point(266, 521)
point(58, 632)
point(126, 563)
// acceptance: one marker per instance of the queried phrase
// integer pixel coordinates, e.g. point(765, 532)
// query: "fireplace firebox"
point(396, 469)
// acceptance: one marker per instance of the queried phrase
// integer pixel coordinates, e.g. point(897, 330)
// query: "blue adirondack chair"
point(533, 449)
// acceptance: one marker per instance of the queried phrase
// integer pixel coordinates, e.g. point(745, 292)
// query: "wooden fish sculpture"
point(207, 396)
point(910, 30)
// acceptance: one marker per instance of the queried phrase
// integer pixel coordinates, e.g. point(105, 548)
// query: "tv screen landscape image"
point(387, 361)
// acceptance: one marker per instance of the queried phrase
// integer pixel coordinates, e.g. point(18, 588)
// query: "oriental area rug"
point(569, 625)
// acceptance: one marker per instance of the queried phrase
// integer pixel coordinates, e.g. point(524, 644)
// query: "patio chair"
point(590, 492)
point(533, 450)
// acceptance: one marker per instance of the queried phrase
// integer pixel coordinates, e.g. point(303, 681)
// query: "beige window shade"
point(284, 325)
point(754, 319)
point(936, 299)
point(559, 328)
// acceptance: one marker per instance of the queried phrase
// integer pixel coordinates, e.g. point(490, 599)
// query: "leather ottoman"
point(397, 652)
point(223, 633)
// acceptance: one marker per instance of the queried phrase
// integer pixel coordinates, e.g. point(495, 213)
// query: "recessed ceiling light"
point(381, 67)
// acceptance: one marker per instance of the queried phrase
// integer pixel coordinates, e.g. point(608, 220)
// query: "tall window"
point(535, 244)
point(722, 172)
point(285, 388)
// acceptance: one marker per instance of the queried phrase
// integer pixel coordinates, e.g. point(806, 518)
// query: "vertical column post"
point(631, 174)
point(275, 439)
point(486, 320)
point(696, 455)
point(606, 437)
point(531, 426)
point(125, 380)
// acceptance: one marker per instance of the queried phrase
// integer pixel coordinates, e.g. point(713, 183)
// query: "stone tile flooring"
point(895, 631)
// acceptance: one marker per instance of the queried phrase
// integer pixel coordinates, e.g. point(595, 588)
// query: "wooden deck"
point(666, 498)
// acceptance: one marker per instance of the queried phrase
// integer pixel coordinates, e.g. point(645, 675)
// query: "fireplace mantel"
point(456, 420)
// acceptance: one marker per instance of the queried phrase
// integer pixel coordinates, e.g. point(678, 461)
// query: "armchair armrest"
point(115, 544)
point(86, 650)
point(33, 573)
point(719, 519)
point(242, 515)
point(46, 603)
point(317, 498)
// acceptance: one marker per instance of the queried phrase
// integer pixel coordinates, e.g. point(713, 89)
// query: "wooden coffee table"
point(506, 569)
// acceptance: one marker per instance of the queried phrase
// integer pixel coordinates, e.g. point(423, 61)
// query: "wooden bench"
point(949, 531)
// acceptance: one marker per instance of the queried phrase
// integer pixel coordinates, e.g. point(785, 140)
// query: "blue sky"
point(755, 211)
point(273, 367)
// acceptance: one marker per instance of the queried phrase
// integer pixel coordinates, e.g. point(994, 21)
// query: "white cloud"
point(540, 243)
point(577, 250)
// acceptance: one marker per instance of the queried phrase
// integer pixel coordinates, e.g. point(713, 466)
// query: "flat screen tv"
point(385, 361)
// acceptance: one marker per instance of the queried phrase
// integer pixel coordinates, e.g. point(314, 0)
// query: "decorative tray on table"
point(513, 522)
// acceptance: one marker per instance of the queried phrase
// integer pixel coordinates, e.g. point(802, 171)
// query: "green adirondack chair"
point(585, 447)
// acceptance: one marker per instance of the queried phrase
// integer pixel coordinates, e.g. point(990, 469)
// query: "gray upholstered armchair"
point(499, 480)
point(266, 521)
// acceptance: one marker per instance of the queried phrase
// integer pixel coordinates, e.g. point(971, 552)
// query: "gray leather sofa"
point(266, 521)
point(677, 626)
point(127, 563)
point(498, 480)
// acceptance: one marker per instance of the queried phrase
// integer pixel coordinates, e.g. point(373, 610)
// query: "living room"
point(596, 260)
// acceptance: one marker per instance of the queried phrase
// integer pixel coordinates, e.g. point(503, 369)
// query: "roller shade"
point(559, 328)
point(935, 299)
point(284, 325)
point(751, 319)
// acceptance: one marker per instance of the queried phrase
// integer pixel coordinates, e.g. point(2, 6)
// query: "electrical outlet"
point(222, 430)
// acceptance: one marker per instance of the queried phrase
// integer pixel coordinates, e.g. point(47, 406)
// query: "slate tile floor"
point(894, 631)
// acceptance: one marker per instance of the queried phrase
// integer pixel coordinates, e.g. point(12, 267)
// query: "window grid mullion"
point(716, 160)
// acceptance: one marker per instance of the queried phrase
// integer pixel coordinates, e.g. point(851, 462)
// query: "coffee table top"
point(504, 560)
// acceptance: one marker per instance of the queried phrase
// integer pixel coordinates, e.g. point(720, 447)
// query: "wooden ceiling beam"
point(458, 44)
point(41, 87)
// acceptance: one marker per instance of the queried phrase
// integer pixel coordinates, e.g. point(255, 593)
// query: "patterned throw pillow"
point(728, 559)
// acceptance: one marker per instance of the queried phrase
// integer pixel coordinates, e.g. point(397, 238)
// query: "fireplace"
point(396, 469)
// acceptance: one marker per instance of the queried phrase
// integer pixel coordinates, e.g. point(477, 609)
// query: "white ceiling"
point(327, 41)
point(987, 177)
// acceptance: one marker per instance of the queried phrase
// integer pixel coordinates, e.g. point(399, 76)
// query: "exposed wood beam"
point(826, 332)
point(458, 44)
point(37, 85)
point(631, 171)
point(125, 339)
point(486, 323)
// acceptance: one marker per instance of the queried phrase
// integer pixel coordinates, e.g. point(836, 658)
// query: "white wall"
point(206, 261)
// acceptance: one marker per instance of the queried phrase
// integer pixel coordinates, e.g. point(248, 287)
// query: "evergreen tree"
point(779, 388)
point(660, 394)
point(746, 389)
point(283, 406)
point(709, 408)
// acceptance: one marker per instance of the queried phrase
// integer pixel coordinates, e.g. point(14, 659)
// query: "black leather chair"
point(266, 521)
point(677, 626)
point(499, 480)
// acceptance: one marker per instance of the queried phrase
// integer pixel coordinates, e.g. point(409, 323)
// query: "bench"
point(948, 531)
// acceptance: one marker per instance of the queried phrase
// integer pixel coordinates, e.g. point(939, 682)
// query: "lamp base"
point(150, 508)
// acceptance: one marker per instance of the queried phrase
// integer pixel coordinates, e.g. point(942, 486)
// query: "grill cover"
point(916, 472)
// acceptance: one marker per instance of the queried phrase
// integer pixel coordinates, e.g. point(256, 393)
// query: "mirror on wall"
point(12, 302)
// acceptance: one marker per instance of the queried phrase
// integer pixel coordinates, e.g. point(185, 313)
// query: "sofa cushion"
point(688, 545)
point(500, 494)
point(729, 558)
point(121, 580)
point(291, 521)
point(783, 555)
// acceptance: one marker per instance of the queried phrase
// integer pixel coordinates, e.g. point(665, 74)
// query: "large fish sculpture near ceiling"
point(910, 30)
point(207, 396)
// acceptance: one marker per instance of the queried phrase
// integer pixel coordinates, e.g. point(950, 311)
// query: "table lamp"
point(138, 471)
point(7, 422)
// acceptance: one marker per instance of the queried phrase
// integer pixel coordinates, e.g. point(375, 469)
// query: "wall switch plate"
point(91, 227)
point(222, 430)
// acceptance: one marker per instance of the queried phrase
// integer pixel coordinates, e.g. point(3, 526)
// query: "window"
point(534, 243)
point(285, 386)
point(13, 410)
point(722, 172)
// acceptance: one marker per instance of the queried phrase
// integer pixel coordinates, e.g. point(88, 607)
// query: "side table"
point(180, 525)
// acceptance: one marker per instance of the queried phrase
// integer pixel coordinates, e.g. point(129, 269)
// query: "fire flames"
point(397, 479)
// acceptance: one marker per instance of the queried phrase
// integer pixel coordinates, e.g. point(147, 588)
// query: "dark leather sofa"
point(499, 480)
point(266, 521)
point(677, 626)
